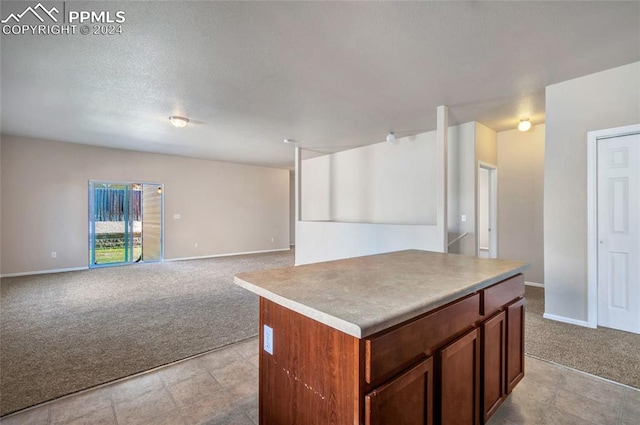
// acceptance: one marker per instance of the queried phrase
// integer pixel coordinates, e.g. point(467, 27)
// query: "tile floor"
point(220, 387)
point(553, 395)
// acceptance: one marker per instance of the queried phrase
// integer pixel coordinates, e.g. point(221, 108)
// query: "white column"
point(298, 197)
point(298, 183)
point(442, 136)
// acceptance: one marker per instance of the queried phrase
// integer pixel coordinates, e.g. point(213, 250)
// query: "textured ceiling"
point(329, 75)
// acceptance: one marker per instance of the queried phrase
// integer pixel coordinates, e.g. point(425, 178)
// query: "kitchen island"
point(410, 337)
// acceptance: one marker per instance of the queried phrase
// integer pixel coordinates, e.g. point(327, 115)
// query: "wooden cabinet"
point(394, 350)
point(493, 363)
point(515, 343)
point(502, 342)
point(406, 399)
point(459, 380)
point(453, 365)
point(309, 379)
point(496, 297)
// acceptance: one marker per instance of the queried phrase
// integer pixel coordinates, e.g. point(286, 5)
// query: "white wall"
point(0, 205)
point(316, 188)
point(521, 198)
point(468, 143)
point(325, 241)
point(226, 208)
point(603, 100)
point(486, 153)
point(397, 166)
point(486, 145)
point(391, 183)
point(461, 187)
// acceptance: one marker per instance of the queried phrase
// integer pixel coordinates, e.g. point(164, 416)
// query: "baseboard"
point(75, 269)
point(535, 284)
point(569, 320)
point(70, 269)
point(227, 255)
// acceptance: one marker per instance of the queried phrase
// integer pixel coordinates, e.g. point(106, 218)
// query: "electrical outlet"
point(176, 216)
point(196, 244)
point(272, 240)
point(268, 339)
point(463, 218)
point(53, 254)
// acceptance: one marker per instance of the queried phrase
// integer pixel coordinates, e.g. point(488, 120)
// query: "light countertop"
point(364, 295)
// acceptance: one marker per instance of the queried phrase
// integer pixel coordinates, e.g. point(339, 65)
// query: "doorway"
point(487, 204)
point(125, 223)
point(614, 229)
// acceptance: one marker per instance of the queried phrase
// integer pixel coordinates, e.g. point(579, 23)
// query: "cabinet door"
point(515, 343)
point(406, 400)
point(493, 364)
point(460, 380)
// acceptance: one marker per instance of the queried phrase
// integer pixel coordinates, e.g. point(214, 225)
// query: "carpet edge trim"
point(581, 371)
point(123, 378)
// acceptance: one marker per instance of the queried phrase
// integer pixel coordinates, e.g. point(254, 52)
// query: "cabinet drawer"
point(502, 293)
point(407, 399)
point(392, 351)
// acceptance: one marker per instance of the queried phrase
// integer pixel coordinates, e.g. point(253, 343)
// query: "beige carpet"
point(65, 332)
point(61, 333)
point(604, 352)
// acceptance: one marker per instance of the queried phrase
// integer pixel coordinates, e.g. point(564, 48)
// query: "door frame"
point(91, 222)
point(493, 208)
point(592, 212)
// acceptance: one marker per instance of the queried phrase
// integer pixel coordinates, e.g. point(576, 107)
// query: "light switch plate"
point(268, 339)
point(463, 218)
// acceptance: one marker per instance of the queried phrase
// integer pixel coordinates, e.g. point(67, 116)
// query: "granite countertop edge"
point(364, 330)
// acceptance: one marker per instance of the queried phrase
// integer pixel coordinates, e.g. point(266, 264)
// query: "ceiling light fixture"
point(391, 137)
point(524, 125)
point(178, 121)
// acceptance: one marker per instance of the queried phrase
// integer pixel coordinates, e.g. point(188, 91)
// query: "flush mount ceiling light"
point(178, 121)
point(391, 137)
point(524, 125)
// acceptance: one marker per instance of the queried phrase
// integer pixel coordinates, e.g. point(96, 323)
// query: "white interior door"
point(619, 232)
point(487, 211)
point(483, 211)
